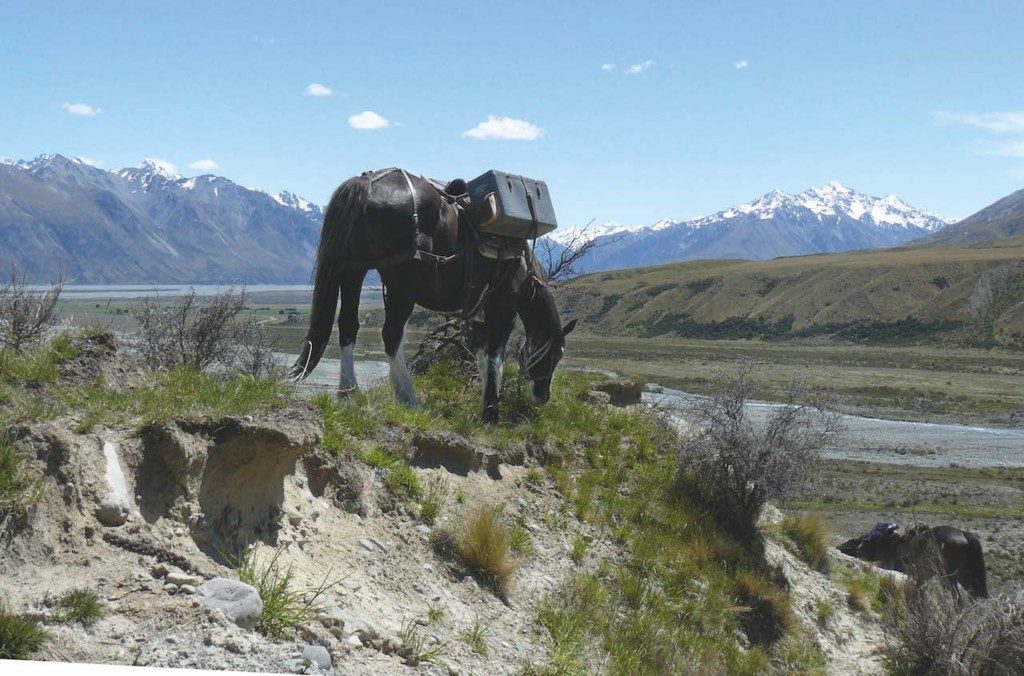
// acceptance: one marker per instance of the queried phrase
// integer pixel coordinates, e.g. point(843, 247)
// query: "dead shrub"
point(936, 630)
point(26, 314)
point(736, 463)
point(198, 332)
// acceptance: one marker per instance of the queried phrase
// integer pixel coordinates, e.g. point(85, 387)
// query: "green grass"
point(519, 540)
point(412, 637)
point(19, 486)
point(402, 481)
point(475, 637)
point(19, 637)
point(80, 605)
point(579, 548)
point(435, 496)
point(285, 607)
point(824, 610)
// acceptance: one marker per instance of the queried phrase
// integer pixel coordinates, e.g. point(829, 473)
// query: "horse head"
point(544, 346)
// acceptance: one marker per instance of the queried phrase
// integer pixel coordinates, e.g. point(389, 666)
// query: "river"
point(873, 439)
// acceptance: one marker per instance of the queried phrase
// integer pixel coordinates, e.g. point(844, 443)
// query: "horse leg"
point(399, 302)
point(348, 328)
point(491, 359)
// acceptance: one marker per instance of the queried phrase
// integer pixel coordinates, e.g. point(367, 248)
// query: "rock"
point(113, 510)
point(171, 588)
point(353, 640)
point(295, 665)
point(318, 655)
point(183, 579)
point(294, 518)
point(423, 528)
point(240, 602)
point(186, 589)
point(367, 545)
point(455, 453)
point(622, 392)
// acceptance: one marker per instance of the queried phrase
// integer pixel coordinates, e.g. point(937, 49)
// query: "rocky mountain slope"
point(150, 512)
point(831, 218)
point(147, 224)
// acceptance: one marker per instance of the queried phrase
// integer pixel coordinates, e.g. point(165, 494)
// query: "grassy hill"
point(970, 296)
point(999, 224)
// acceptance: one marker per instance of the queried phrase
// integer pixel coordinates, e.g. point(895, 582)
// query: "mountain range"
point(829, 219)
point(149, 224)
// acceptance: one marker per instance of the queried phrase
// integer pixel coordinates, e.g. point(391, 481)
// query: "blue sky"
point(630, 111)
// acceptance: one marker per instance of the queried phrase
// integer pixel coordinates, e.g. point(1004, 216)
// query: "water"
point(896, 441)
point(104, 291)
point(872, 439)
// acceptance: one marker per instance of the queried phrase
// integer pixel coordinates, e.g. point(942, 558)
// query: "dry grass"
point(809, 534)
point(768, 613)
point(484, 546)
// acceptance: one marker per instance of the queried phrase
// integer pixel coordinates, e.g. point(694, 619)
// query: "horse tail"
point(326, 287)
point(977, 583)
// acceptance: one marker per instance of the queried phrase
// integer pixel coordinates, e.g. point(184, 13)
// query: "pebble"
point(183, 578)
point(187, 589)
point(357, 518)
point(354, 641)
point(424, 528)
point(318, 655)
point(366, 544)
point(295, 519)
point(171, 588)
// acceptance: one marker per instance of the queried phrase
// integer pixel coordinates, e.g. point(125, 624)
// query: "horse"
point(427, 253)
point(959, 559)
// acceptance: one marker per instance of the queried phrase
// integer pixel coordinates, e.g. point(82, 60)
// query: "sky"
point(631, 112)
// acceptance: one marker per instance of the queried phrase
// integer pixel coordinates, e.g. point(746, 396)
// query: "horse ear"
point(567, 329)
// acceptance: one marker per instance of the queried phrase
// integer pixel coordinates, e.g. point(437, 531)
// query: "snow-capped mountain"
point(149, 224)
point(828, 219)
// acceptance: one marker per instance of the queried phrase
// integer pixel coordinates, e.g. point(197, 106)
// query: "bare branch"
point(561, 261)
point(26, 314)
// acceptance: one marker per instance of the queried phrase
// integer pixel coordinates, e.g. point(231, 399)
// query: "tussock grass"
point(809, 534)
point(413, 638)
point(284, 607)
point(36, 366)
point(484, 547)
point(19, 487)
point(579, 548)
point(80, 605)
point(768, 614)
point(19, 637)
point(475, 637)
point(519, 540)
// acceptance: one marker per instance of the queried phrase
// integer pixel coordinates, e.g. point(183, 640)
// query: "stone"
point(183, 578)
point(171, 588)
point(186, 589)
point(622, 392)
point(113, 510)
point(318, 655)
point(367, 545)
point(294, 518)
point(424, 529)
point(240, 602)
point(353, 640)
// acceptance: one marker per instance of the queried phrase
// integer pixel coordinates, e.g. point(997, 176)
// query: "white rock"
point(367, 545)
point(354, 641)
point(113, 510)
point(240, 602)
point(183, 578)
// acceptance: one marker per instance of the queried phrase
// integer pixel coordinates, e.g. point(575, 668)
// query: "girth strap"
point(415, 207)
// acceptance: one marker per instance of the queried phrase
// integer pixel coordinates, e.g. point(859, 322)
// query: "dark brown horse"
point(407, 229)
point(920, 550)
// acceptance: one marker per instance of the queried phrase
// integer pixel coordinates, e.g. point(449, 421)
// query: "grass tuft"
point(80, 605)
point(474, 637)
point(284, 607)
point(19, 487)
point(484, 547)
point(436, 494)
point(809, 534)
point(19, 637)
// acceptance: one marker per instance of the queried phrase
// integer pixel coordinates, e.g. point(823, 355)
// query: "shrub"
point(810, 535)
point(196, 333)
point(25, 314)
point(80, 605)
point(19, 487)
point(734, 465)
point(937, 631)
point(484, 547)
point(284, 608)
point(18, 637)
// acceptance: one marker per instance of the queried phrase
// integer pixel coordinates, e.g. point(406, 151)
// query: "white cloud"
point(203, 165)
point(317, 89)
point(741, 64)
point(641, 67)
point(88, 160)
point(607, 67)
point(160, 166)
point(1000, 123)
point(81, 109)
point(368, 120)
point(1011, 149)
point(505, 128)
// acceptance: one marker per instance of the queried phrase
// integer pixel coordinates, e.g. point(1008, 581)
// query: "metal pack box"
point(511, 206)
